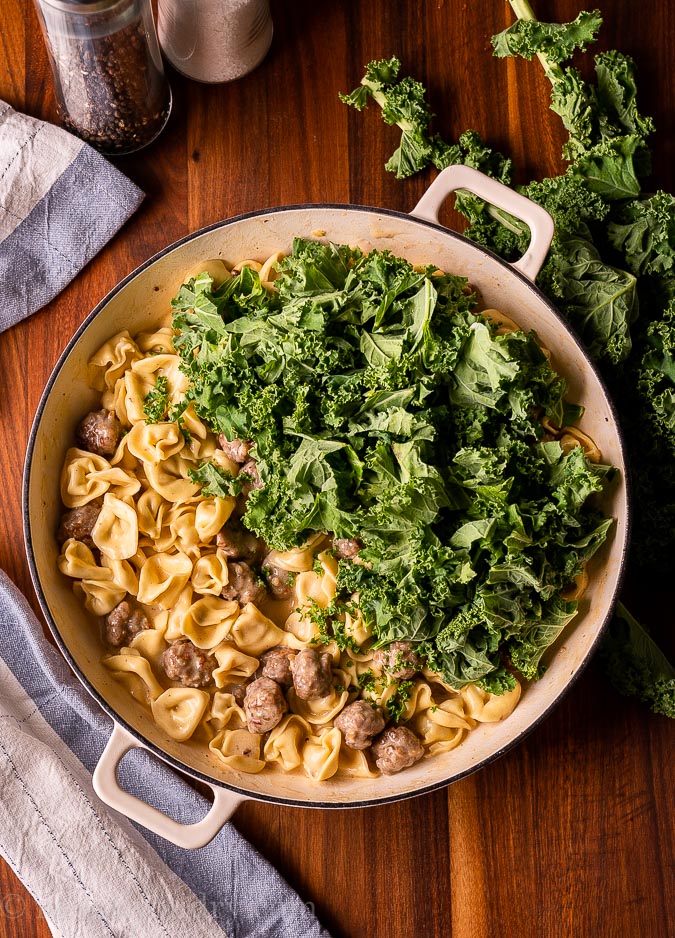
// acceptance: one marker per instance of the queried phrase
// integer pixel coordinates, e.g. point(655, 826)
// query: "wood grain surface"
point(571, 834)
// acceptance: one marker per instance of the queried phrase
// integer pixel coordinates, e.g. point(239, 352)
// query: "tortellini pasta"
point(210, 574)
point(100, 597)
point(321, 754)
point(200, 441)
point(238, 749)
point(209, 620)
point(112, 360)
point(233, 665)
point(286, 742)
point(320, 710)
point(353, 763)
point(116, 530)
point(225, 711)
point(131, 661)
point(158, 341)
point(171, 479)
point(76, 560)
point(87, 476)
point(141, 378)
point(489, 708)
point(151, 508)
point(153, 443)
point(162, 579)
point(317, 588)
point(178, 711)
point(210, 515)
point(254, 633)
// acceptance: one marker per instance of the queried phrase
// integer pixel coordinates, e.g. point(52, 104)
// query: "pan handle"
point(537, 219)
point(189, 836)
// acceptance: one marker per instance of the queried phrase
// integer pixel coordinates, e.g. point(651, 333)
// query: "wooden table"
point(571, 834)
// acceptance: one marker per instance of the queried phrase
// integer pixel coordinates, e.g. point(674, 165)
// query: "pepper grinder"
point(110, 85)
point(214, 40)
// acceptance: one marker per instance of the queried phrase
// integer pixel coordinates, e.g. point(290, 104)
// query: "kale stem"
point(508, 221)
point(524, 11)
point(380, 98)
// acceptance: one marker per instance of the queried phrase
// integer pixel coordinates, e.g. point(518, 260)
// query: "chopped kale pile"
point(610, 270)
point(384, 408)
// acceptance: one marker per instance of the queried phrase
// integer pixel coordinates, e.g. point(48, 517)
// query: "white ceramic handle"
point(189, 836)
point(537, 219)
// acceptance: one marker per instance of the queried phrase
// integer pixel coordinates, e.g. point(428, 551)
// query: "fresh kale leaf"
point(644, 233)
point(636, 666)
point(557, 41)
point(216, 481)
point(156, 401)
point(656, 381)
point(397, 703)
point(403, 103)
point(600, 301)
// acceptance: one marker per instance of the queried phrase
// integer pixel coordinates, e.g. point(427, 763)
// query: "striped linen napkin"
point(60, 202)
point(90, 870)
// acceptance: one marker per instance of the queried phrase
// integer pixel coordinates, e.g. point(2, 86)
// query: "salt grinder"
point(111, 89)
point(214, 40)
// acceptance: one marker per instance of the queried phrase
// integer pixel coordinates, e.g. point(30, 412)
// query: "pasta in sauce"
point(187, 631)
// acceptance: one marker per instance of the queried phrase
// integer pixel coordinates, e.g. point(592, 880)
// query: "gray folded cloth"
point(60, 202)
point(94, 873)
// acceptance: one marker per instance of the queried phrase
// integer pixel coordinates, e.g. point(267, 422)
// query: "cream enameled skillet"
point(138, 303)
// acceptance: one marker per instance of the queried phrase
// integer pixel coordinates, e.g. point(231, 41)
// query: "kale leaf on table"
point(636, 665)
point(610, 270)
point(558, 41)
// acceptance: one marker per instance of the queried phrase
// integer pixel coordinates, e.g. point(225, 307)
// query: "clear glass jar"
point(111, 89)
point(214, 40)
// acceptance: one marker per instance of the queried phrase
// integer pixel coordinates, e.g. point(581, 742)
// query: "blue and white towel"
point(60, 202)
point(91, 871)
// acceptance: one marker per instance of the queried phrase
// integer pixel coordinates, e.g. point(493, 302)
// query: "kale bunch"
point(610, 270)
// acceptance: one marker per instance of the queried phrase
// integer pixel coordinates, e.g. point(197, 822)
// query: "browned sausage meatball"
point(243, 584)
point(125, 621)
point(347, 549)
point(79, 523)
point(189, 665)
point(312, 673)
point(359, 722)
point(99, 432)
point(238, 543)
point(264, 705)
point(276, 664)
point(398, 660)
point(253, 482)
point(396, 749)
point(237, 450)
point(238, 691)
point(279, 580)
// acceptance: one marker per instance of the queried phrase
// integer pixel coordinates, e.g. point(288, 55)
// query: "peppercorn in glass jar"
point(111, 89)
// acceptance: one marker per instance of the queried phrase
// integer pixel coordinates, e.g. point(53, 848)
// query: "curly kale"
point(345, 378)
point(610, 270)
point(403, 103)
point(636, 666)
point(156, 401)
point(557, 41)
